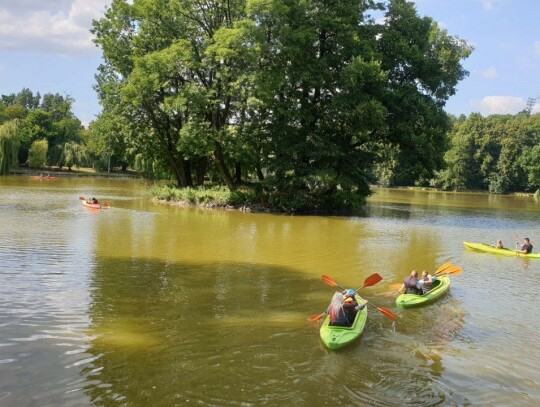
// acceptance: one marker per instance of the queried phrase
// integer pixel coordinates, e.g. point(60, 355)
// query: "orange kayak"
point(94, 206)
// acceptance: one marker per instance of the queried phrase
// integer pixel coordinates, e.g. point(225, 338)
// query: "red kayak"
point(93, 205)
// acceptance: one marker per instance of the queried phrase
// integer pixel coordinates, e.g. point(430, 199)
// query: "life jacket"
point(410, 285)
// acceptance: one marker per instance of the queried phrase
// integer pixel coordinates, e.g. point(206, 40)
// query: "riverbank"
point(79, 172)
point(249, 198)
point(245, 198)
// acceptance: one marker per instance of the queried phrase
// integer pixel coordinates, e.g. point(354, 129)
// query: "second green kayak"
point(335, 337)
point(440, 287)
point(505, 251)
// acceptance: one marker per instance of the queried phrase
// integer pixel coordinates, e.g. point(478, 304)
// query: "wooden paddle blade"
point(396, 286)
point(443, 267)
point(316, 317)
point(106, 204)
point(328, 280)
point(387, 312)
point(452, 270)
point(81, 198)
point(372, 280)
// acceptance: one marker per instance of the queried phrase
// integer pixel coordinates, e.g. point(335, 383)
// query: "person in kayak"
point(343, 308)
point(409, 284)
point(527, 246)
point(425, 283)
point(499, 244)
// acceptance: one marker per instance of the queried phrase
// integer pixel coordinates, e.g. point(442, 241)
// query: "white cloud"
point(490, 73)
point(499, 105)
point(536, 108)
point(49, 26)
point(489, 4)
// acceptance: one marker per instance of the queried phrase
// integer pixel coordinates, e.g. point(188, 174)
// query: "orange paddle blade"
point(81, 198)
point(316, 317)
point(396, 286)
point(328, 280)
point(387, 312)
point(456, 270)
point(372, 280)
point(106, 204)
point(443, 267)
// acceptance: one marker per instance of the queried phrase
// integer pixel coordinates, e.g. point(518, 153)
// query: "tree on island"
point(305, 97)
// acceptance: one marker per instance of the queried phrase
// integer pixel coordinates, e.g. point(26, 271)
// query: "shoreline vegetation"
point(246, 198)
point(80, 172)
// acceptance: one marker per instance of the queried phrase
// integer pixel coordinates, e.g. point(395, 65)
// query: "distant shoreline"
point(65, 173)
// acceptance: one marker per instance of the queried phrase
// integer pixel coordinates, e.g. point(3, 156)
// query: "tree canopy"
point(498, 152)
point(304, 96)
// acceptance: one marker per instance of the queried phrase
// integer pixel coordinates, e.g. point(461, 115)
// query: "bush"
point(37, 154)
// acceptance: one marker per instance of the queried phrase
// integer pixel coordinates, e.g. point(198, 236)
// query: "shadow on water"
point(237, 334)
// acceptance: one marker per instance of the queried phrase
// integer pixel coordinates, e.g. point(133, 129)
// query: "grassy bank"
point(244, 198)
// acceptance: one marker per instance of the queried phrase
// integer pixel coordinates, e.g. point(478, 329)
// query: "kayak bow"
point(335, 337)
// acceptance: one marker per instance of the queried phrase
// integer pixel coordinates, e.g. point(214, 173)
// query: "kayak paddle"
point(329, 281)
point(316, 317)
point(452, 270)
point(371, 280)
point(384, 310)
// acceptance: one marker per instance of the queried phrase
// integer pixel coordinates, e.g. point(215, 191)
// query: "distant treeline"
point(37, 129)
point(499, 153)
point(41, 131)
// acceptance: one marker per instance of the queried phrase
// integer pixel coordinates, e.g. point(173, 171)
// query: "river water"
point(144, 304)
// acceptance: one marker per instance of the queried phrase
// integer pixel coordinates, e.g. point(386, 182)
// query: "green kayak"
point(505, 251)
point(335, 337)
point(440, 287)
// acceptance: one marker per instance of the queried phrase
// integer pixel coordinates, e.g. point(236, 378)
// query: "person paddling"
point(425, 283)
point(527, 246)
point(409, 284)
point(343, 308)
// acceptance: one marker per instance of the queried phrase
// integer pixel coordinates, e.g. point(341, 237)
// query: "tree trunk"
point(222, 167)
point(186, 165)
point(238, 173)
point(200, 164)
point(260, 174)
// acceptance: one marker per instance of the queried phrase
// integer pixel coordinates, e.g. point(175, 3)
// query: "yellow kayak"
point(505, 251)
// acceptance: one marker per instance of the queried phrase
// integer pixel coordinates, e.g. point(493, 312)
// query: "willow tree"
point(9, 145)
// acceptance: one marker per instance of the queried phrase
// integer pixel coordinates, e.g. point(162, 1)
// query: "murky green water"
point(145, 304)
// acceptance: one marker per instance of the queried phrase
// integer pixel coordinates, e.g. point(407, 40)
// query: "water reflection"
point(229, 334)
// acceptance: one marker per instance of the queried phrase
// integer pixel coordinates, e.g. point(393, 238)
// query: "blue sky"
point(45, 45)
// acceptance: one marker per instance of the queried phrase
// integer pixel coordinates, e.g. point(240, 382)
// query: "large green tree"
point(306, 96)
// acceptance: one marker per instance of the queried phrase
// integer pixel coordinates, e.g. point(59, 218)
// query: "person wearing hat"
point(343, 308)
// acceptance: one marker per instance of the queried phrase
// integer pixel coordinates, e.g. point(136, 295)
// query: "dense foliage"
point(9, 145)
point(47, 118)
point(500, 153)
point(307, 97)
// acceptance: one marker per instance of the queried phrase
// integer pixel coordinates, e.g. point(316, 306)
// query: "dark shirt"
point(528, 247)
point(410, 285)
point(345, 318)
